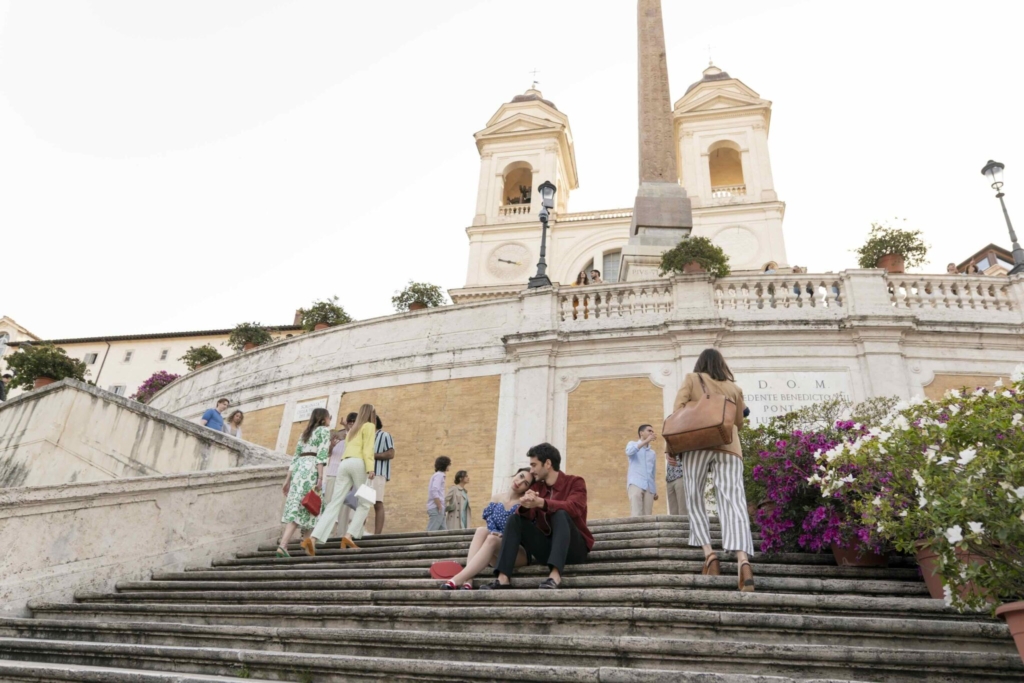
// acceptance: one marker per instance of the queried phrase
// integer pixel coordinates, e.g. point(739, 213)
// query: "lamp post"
point(547, 197)
point(994, 172)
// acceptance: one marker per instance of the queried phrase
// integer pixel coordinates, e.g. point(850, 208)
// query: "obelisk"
point(661, 212)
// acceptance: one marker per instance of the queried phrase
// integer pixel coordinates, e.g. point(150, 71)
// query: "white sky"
point(192, 164)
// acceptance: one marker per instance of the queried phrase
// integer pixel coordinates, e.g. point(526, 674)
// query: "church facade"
point(721, 135)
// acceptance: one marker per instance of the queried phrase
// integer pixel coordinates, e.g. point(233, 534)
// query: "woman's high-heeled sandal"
point(711, 566)
point(347, 542)
point(281, 552)
point(746, 585)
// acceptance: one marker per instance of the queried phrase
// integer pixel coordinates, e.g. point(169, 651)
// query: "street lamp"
point(994, 172)
point(547, 197)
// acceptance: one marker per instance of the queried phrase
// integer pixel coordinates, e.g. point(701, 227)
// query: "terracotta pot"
point(858, 557)
point(249, 346)
point(891, 262)
point(42, 382)
point(693, 268)
point(320, 326)
point(417, 306)
point(925, 557)
point(1013, 614)
point(970, 590)
point(198, 367)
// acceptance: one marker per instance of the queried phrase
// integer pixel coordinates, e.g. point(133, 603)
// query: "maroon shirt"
point(570, 494)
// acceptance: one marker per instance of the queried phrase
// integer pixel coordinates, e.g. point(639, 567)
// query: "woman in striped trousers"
point(725, 464)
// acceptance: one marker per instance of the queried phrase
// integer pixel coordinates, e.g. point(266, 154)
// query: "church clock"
point(509, 261)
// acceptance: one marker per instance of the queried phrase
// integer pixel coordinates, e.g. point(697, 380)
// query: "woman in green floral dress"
point(305, 474)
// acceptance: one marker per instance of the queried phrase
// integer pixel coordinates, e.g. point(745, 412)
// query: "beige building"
point(120, 364)
point(721, 132)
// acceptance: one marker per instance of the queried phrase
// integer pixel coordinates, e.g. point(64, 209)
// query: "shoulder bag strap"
point(702, 386)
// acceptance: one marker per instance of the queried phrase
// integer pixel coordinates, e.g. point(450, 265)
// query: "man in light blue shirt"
point(213, 417)
point(640, 483)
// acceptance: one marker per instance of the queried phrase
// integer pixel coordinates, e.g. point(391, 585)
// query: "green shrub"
point(43, 360)
point(430, 295)
point(699, 250)
point(326, 312)
point(248, 333)
point(883, 239)
point(200, 355)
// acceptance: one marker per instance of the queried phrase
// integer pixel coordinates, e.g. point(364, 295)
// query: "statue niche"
point(518, 187)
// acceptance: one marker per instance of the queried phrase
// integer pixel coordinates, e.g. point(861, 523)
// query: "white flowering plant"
point(956, 486)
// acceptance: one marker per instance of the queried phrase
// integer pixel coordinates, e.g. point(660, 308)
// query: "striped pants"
point(727, 471)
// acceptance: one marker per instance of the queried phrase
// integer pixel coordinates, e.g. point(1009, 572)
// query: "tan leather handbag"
point(706, 422)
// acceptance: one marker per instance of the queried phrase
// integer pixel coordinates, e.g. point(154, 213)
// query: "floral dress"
point(304, 476)
point(497, 516)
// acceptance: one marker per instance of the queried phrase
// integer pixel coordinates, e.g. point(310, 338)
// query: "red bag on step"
point(313, 502)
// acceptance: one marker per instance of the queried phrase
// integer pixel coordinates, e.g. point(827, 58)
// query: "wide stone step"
point(339, 668)
point(642, 597)
point(900, 631)
point(419, 569)
point(177, 590)
point(36, 672)
point(722, 656)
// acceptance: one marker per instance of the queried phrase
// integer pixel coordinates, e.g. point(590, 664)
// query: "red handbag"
point(313, 502)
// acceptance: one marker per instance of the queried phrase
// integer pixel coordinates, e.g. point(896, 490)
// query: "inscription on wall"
point(770, 394)
point(304, 410)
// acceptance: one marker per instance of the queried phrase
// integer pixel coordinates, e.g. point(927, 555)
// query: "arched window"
point(518, 187)
point(726, 169)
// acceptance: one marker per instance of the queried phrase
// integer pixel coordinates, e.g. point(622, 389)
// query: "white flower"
point(980, 391)
point(903, 514)
point(918, 478)
point(976, 527)
point(967, 455)
point(1018, 374)
point(921, 500)
point(954, 408)
point(1022, 516)
point(998, 382)
point(947, 596)
point(877, 501)
point(857, 426)
point(1007, 394)
point(814, 479)
point(1019, 491)
point(955, 393)
point(1004, 486)
point(916, 400)
point(1017, 419)
point(881, 529)
point(954, 534)
point(848, 479)
point(944, 459)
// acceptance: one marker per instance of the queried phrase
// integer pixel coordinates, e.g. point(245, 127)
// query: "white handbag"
point(367, 493)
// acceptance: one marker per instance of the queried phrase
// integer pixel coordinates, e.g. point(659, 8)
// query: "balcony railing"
point(514, 210)
point(938, 292)
point(723, 191)
point(615, 301)
point(822, 294)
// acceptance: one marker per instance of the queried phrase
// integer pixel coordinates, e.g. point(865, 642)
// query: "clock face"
point(509, 261)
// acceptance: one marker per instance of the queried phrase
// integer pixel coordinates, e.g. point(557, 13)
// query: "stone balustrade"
point(615, 301)
point(723, 191)
point(969, 292)
point(514, 210)
point(813, 296)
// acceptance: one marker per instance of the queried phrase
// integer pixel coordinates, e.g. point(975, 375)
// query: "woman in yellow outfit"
point(357, 465)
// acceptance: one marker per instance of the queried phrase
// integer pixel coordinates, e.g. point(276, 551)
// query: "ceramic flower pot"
point(893, 263)
point(320, 326)
point(693, 268)
point(855, 556)
point(249, 346)
point(417, 306)
point(1013, 614)
point(926, 560)
point(42, 382)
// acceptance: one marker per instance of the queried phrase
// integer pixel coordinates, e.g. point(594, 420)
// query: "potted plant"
point(36, 365)
point(894, 249)
point(323, 314)
point(248, 336)
point(958, 495)
point(156, 382)
point(417, 296)
point(198, 356)
point(695, 255)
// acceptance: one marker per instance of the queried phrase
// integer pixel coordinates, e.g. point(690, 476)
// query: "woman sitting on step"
point(305, 474)
point(483, 551)
point(711, 375)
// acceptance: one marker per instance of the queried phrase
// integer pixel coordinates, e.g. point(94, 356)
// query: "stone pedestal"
point(661, 218)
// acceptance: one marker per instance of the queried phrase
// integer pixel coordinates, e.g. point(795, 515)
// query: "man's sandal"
point(746, 585)
point(711, 566)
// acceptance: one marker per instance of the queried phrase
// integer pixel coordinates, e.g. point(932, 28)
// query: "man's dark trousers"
point(564, 546)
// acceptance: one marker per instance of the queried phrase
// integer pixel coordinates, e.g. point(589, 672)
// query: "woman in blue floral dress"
point(305, 474)
point(487, 539)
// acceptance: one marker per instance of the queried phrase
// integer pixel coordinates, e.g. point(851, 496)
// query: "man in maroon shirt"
point(552, 522)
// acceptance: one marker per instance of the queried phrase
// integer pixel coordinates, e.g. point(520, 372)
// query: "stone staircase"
point(638, 611)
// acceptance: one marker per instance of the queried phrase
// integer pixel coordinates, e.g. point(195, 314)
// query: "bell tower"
point(721, 127)
point(527, 141)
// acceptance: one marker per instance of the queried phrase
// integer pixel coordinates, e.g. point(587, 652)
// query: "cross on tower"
point(535, 81)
